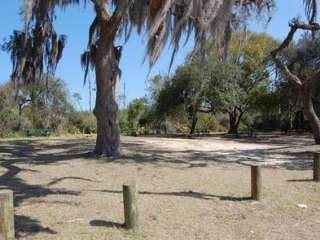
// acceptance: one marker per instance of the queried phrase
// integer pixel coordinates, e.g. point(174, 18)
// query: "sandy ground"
point(189, 188)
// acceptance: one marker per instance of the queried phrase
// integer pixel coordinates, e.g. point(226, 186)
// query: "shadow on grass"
point(26, 226)
point(300, 180)
point(278, 153)
point(16, 153)
point(188, 194)
point(103, 223)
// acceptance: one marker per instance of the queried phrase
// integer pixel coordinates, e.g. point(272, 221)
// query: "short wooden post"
point(316, 167)
point(131, 214)
point(6, 215)
point(256, 183)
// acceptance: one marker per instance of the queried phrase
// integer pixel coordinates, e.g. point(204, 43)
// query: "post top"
point(5, 191)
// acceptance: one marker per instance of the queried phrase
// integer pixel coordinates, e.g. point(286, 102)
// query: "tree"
point(77, 97)
point(183, 91)
point(42, 104)
point(160, 19)
point(48, 103)
point(225, 93)
point(245, 72)
point(305, 83)
point(32, 51)
point(136, 110)
point(10, 120)
point(209, 82)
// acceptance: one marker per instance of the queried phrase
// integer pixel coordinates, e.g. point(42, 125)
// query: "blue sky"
point(75, 21)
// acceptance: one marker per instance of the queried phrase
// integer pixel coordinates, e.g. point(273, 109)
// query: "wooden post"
point(131, 214)
point(256, 183)
point(316, 167)
point(6, 215)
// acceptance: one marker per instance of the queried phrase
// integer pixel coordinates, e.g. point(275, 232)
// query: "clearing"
point(189, 188)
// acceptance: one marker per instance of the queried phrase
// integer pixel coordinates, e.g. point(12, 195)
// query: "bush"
point(83, 122)
point(208, 123)
point(9, 121)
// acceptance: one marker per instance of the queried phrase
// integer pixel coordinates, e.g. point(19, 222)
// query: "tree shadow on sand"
point(103, 223)
point(187, 194)
point(15, 153)
point(192, 158)
point(26, 226)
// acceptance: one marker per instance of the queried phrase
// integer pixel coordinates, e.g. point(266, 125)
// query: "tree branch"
point(294, 79)
point(294, 27)
point(102, 13)
point(286, 42)
point(117, 16)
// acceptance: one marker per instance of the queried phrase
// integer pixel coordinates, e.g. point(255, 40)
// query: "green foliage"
point(243, 75)
point(81, 122)
point(41, 107)
point(137, 118)
point(184, 91)
point(8, 113)
point(136, 111)
point(207, 83)
point(123, 120)
point(280, 107)
point(209, 123)
point(224, 90)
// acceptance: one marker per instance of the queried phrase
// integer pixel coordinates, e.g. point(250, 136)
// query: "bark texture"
point(106, 108)
point(194, 121)
point(234, 121)
point(106, 57)
point(310, 113)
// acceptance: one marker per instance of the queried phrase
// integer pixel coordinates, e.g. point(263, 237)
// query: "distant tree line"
point(44, 104)
point(240, 93)
point(210, 92)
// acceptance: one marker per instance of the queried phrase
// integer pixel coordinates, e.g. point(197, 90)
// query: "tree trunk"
point(106, 108)
point(310, 113)
point(234, 121)
point(106, 61)
point(20, 116)
point(233, 128)
point(193, 124)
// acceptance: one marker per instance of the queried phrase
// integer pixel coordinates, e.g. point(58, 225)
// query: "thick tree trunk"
point(310, 113)
point(20, 116)
point(193, 124)
point(234, 121)
point(106, 62)
point(232, 124)
point(233, 127)
point(106, 108)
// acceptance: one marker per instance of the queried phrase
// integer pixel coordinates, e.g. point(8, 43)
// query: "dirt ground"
point(190, 189)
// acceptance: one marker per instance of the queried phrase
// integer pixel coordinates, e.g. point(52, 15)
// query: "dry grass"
point(189, 189)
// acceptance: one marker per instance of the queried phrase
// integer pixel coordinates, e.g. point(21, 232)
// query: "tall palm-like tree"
point(162, 20)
